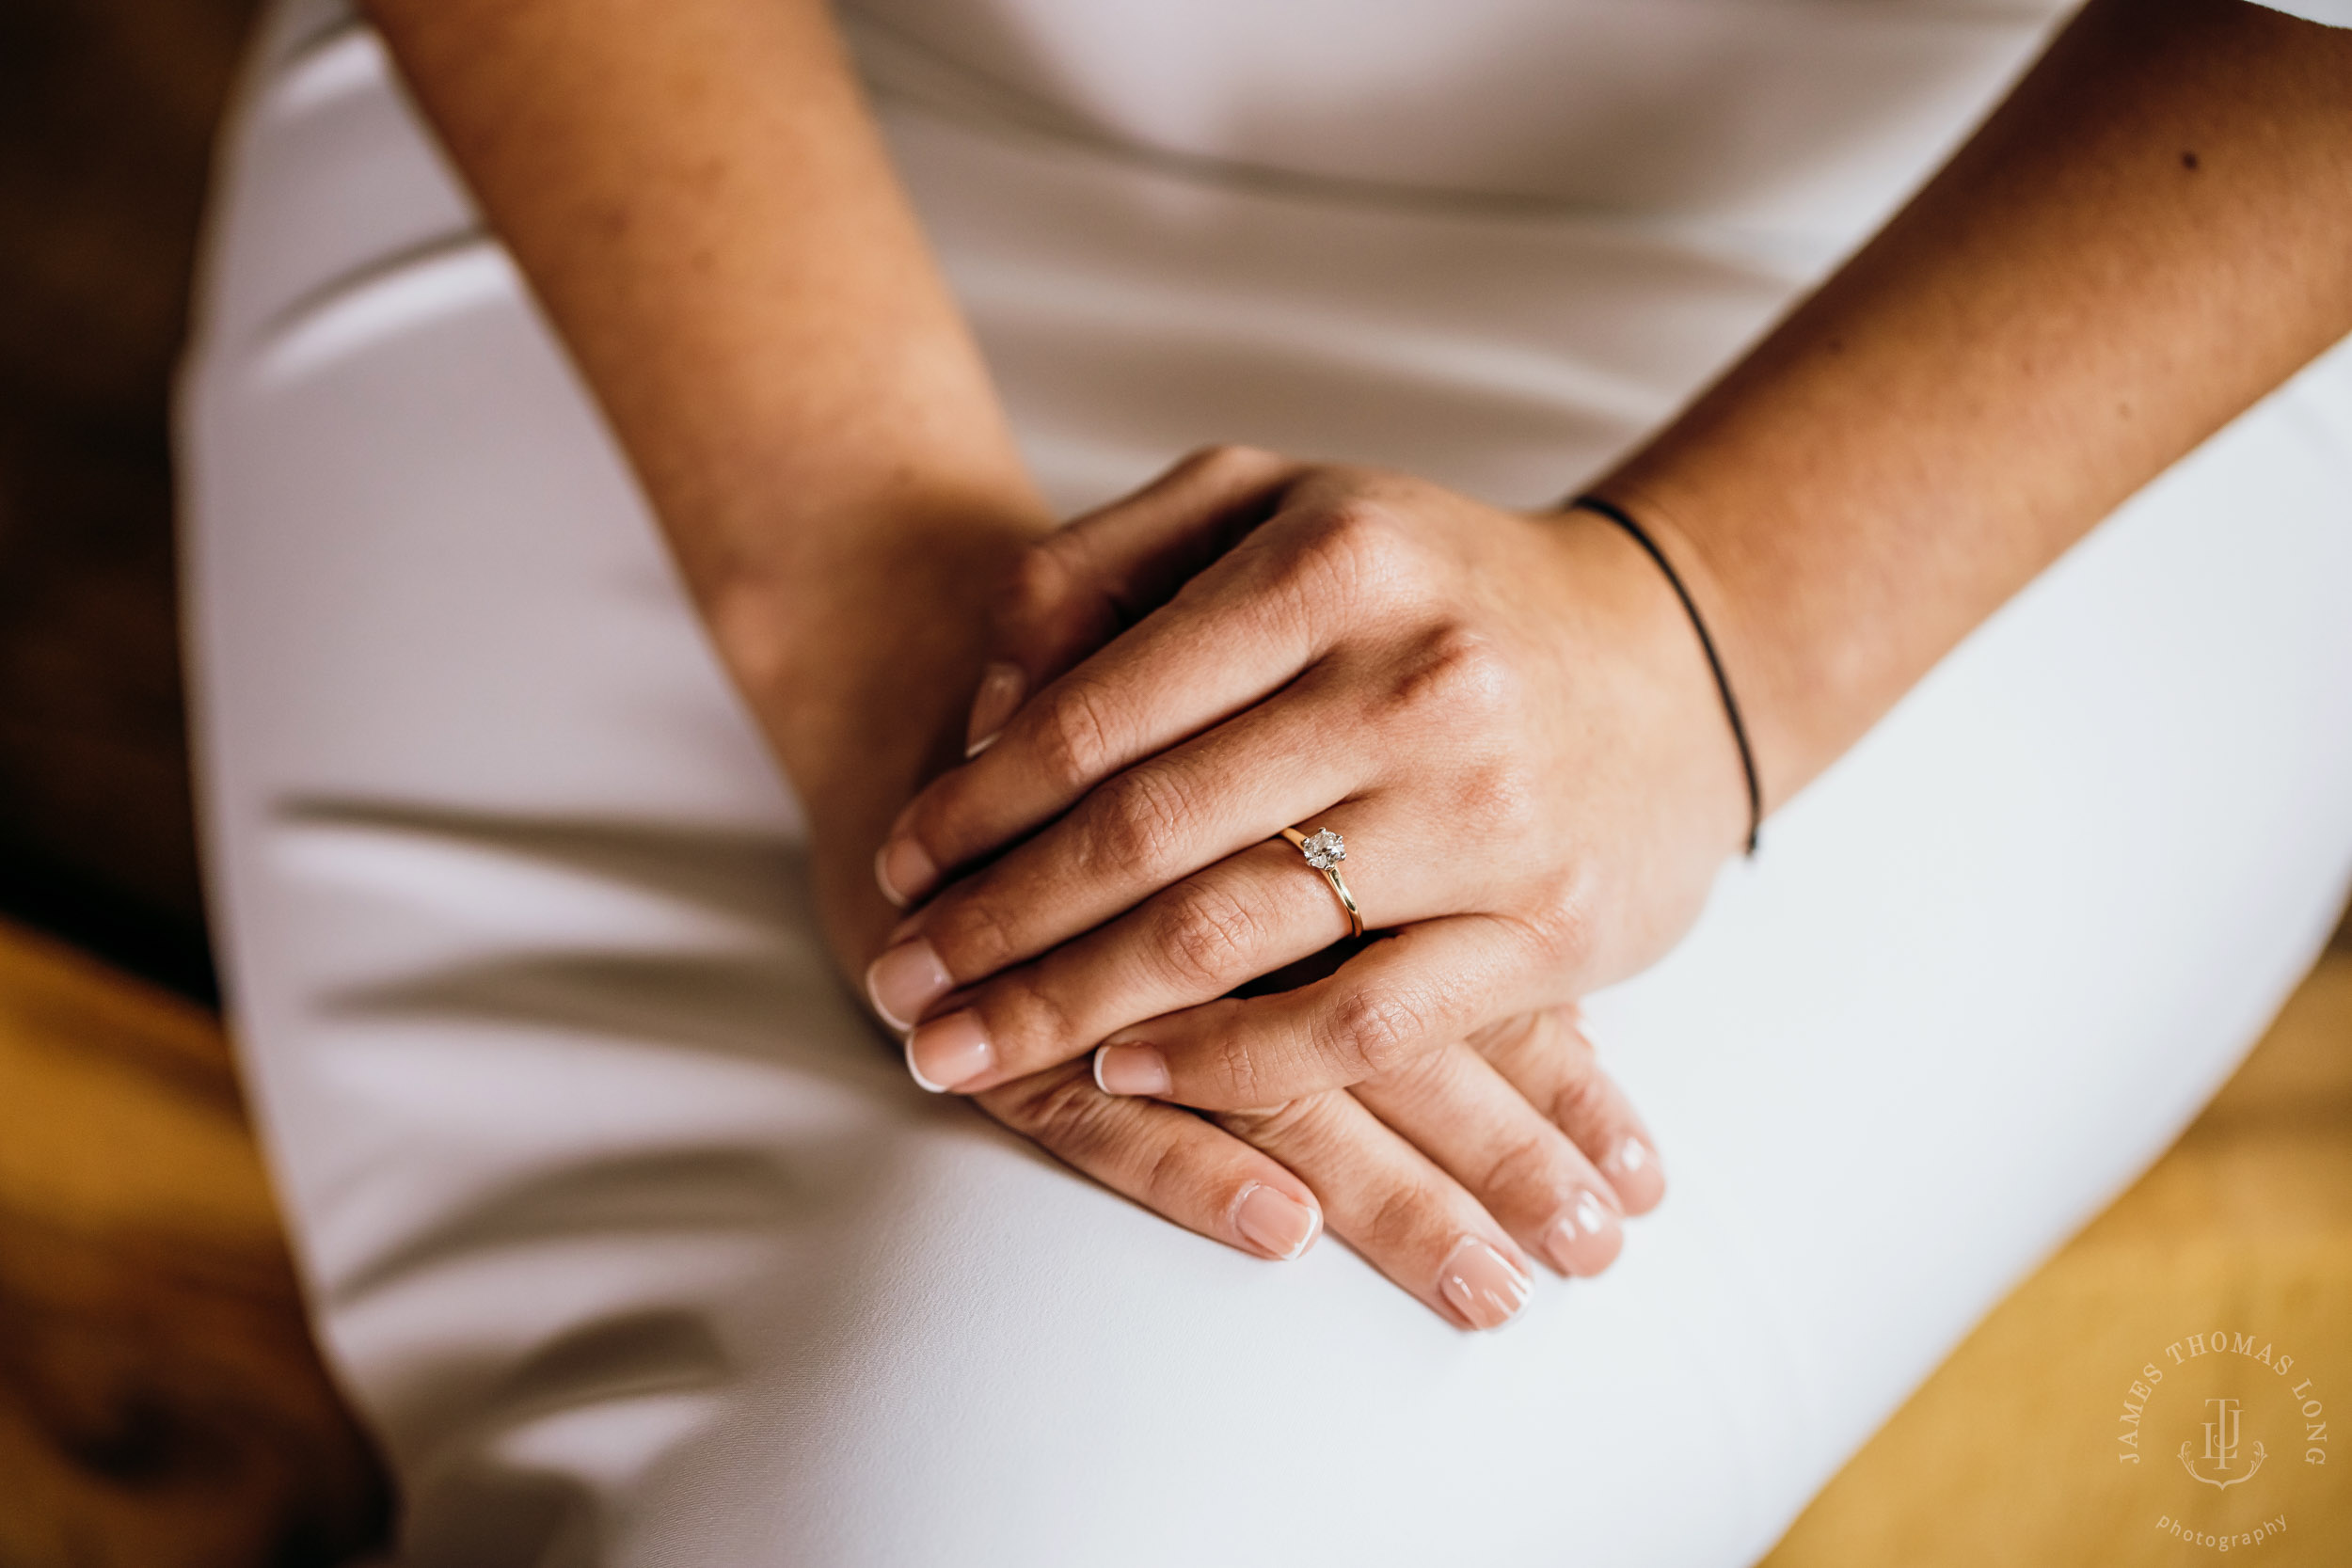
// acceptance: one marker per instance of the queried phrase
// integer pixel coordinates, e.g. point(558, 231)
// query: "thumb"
point(1099, 574)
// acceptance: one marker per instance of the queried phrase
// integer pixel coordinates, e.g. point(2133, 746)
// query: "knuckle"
point(1513, 796)
point(1269, 1128)
point(1205, 936)
point(1236, 1069)
point(1461, 673)
point(1169, 1184)
point(1029, 1020)
point(1351, 550)
point(1067, 1114)
point(1042, 579)
point(1360, 531)
point(1229, 459)
point(1427, 1076)
point(1075, 744)
point(1394, 1220)
point(1140, 823)
point(974, 934)
point(1562, 925)
point(1524, 1164)
point(1518, 1031)
point(1555, 1030)
point(1585, 1099)
point(1370, 1033)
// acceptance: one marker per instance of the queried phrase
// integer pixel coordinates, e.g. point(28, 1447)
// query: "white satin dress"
point(636, 1244)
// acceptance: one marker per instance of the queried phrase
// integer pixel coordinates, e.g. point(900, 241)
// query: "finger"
point(1240, 630)
point(1427, 986)
point(1407, 1217)
point(1551, 1061)
point(1455, 1108)
point(1170, 1161)
point(1247, 917)
point(1101, 572)
point(1154, 824)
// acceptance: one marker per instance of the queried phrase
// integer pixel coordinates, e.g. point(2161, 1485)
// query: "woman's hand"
point(1438, 1174)
point(1507, 717)
point(1440, 1177)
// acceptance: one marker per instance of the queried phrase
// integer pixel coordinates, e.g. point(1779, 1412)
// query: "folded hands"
point(1505, 716)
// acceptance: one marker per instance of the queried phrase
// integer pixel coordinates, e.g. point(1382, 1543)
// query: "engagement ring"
point(1324, 851)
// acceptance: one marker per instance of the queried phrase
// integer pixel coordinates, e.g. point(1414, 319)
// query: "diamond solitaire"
point(1325, 851)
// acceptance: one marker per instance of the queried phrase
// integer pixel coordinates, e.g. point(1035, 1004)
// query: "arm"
point(706, 211)
point(2154, 231)
point(1508, 716)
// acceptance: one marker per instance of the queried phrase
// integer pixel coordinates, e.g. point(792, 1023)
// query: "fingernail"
point(1585, 1239)
point(904, 981)
point(1002, 687)
point(1634, 1169)
point(1130, 1070)
point(916, 1073)
point(1276, 1222)
point(1481, 1284)
point(949, 1053)
point(904, 871)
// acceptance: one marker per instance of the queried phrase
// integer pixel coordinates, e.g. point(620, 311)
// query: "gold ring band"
point(1324, 851)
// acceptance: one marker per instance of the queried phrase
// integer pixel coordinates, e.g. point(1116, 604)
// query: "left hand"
point(1507, 716)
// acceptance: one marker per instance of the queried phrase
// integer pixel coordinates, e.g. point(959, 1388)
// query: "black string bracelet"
point(1617, 515)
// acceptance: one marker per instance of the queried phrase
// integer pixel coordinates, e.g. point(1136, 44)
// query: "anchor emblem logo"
point(2221, 1448)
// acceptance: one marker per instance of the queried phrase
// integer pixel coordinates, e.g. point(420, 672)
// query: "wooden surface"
point(161, 1406)
point(160, 1402)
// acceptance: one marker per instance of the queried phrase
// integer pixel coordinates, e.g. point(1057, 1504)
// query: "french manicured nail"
point(1130, 1070)
point(1484, 1286)
point(917, 1073)
point(1002, 687)
point(1586, 1238)
point(904, 871)
point(904, 981)
point(949, 1053)
point(1276, 1222)
point(1634, 1169)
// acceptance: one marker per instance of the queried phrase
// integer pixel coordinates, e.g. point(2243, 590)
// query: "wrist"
point(859, 659)
point(1728, 585)
point(1630, 626)
point(1626, 523)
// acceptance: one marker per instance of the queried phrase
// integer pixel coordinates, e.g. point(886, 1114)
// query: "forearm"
point(701, 203)
point(2154, 231)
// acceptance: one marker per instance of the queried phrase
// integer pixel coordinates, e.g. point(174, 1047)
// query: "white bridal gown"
point(637, 1245)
